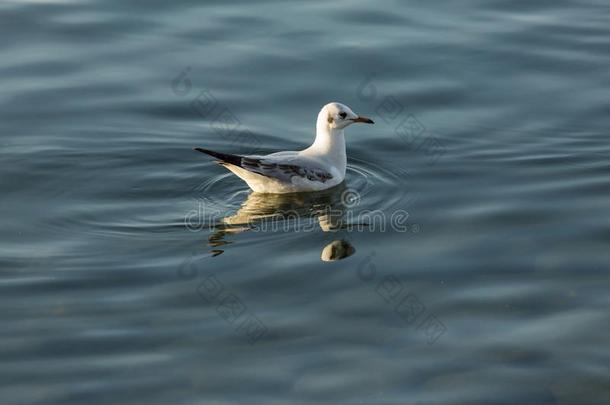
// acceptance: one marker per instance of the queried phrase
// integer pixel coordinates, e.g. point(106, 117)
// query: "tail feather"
point(224, 157)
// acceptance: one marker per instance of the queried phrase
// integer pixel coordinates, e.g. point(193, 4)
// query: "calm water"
point(122, 283)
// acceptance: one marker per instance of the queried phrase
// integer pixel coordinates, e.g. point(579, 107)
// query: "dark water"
point(492, 134)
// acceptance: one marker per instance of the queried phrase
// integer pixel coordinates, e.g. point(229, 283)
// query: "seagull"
point(319, 167)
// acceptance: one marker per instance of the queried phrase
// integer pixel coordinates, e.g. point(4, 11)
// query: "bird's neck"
point(330, 145)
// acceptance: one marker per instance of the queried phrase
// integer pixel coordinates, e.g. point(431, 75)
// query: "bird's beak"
point(366, 120)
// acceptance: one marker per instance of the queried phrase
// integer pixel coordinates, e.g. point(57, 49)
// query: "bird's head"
point(338, 116)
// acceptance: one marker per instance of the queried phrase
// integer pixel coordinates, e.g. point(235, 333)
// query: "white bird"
point(319, 167)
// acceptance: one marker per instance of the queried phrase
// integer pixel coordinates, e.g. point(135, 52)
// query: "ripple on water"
point(371, 187)
point(368, 186)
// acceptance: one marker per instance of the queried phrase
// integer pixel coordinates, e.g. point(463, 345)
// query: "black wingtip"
point(224, 157)
point(206, 151)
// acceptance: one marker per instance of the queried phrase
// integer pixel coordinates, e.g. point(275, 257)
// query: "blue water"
point(135, 270)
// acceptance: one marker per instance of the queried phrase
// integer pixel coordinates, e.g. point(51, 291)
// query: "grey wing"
point(284, 170)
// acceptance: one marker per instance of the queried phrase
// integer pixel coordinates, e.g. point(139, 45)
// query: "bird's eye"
point(343, 115)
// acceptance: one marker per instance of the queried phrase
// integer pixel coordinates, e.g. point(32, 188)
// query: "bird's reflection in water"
point(337, 250)
point(283, 212)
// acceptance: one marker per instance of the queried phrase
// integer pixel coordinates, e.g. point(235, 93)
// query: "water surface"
point(123, 281)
